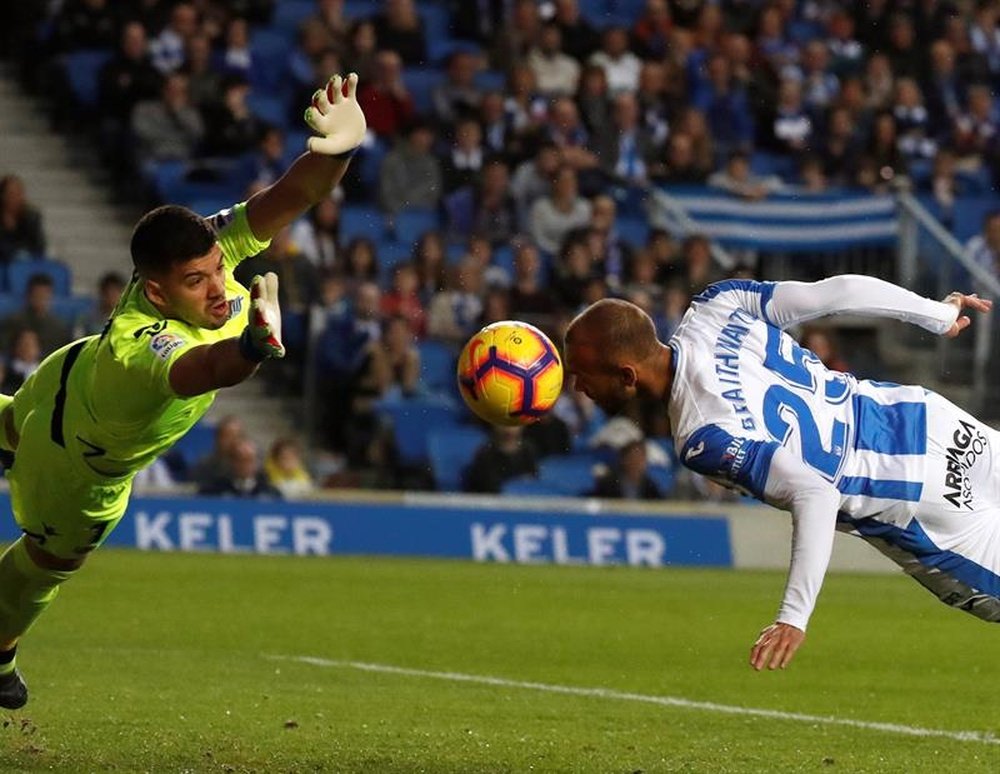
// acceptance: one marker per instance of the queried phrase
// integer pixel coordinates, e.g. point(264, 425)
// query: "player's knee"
point(46, 561)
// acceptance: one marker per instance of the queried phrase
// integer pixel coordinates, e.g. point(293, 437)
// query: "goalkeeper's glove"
point(338, 118)
point(261, 339)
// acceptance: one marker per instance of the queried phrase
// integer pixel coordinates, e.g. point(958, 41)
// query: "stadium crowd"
point(510, 142)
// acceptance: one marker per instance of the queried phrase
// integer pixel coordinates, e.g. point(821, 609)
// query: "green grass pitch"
point(162, 663)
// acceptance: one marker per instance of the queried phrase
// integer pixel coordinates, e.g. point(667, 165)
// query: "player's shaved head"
point(616, 329)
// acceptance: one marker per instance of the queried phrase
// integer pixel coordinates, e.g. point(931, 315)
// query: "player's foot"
point(13, 691)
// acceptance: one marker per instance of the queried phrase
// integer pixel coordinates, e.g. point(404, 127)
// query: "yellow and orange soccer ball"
point(510, 373)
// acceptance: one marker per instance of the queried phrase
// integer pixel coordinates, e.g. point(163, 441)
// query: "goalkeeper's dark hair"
point(166, 236)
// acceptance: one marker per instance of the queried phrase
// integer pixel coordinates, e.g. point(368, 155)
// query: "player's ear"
point(155, 293)
point(628, 376)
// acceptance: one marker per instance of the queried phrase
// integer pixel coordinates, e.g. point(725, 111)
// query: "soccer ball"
point(510, 373)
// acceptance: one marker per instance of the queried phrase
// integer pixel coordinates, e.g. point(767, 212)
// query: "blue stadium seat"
point(269, 63)
point(10, 304)
point(410, 223)
point(420, 82)
point(437, 366)
point(570, 474)
point(269, 108)
point(633, 230)
point(490, 80)
point(436, 21)
point(969, 213)
point(209, 205)
point(193, 445)
point(526, 486)
point(82, 69)
point(360, 9)
point(19, 272)
point(663, 478)
point(451, 450)
point(390, 254)
point(359, 220)
point(167, 177)
point(413, 419)
point(289, 14)
point(69, 309)
point(440, 49)
point(368, 162)
point(503, 257)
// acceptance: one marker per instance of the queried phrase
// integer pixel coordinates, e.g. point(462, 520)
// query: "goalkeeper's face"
point(194, 291)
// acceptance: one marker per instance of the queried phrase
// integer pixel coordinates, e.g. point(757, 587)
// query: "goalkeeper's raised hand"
point(338, 118)
point(261, 338)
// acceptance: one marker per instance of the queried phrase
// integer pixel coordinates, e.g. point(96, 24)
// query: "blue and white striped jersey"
point(742, 387)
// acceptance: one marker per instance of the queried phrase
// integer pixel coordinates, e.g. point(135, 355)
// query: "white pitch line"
point(665, 701)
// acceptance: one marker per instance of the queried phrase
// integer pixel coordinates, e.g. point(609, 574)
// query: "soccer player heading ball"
point(899, 466)
point(101, 408)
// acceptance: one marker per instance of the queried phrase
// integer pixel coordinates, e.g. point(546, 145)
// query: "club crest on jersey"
point(163, 344)
point(235, 306)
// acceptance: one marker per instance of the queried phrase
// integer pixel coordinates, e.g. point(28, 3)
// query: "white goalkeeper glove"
point(338, 118)
point(261, 338)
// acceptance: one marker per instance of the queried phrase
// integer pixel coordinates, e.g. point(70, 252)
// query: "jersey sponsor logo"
point(968, 444)
point(235, 306)
point(163, 344)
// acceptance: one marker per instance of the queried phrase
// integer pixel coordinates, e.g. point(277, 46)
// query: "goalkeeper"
point(103, 407)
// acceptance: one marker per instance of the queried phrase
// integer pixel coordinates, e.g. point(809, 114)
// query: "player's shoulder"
point(136, 338)
point(728, 289)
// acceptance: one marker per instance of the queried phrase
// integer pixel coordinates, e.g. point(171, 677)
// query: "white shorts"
point(952, 545)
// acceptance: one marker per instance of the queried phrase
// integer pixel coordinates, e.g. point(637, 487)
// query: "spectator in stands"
point(109, 290)
point(944, 184)
point(170, 127)
point(673, 305)
point(85, 24)
point(661, 246)
point(167, 48)
point(906, 57)
point(37, 316)
point(681, 167)
point(318, 234)
point(246, 477)
point(593, 100)
point(429, 262)
point(348, 378)
point(411, 174)
point(652, 97)
point(574, 272)
point(330, 16)
point(505, 456)
point(884, 152)
point(822, 342)
point(569, 134)
point(237, 56)
point(360, 264)
point(944, 89)
point(610, 252)
point(23, 359)
point(231, 128)
point(579, 38)
point(517, 37)
point(626, 150)
point(738, 179)
point(362, 49)
point(314, 40)
point(880, 84)
point(286, 470)
point(812, 176)
point(620, 64)
point(155, 478)
point(791, 128)
point(772, 40)
point(984, 248)
point(267, 163)
point(399, 28)
point(696, 254)
point(533, 179)
point(466, 157)
point(819, 86)
point(652, 29)
point(387, 104)
point(912, 121)
point(525, 108)
point(841, 148)
point(629, 478)
point(456, 96)
point(21, 232)
point(976, 128)
point(528, 296)
point(724, 104)
point(555, 215)
point(549, 435)
point(692, 122)
point(984, 35)
point(556, 73)
point(846, 52)
point(396, 358)
point(127, 79)
point(215, 465)
point(498, 137)
point(485, 209)
point(454, 313)
point(403, 299)
point(205, 82)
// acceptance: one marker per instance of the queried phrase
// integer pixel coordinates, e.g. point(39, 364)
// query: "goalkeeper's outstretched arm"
point(230, 361)
point(339, 120)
